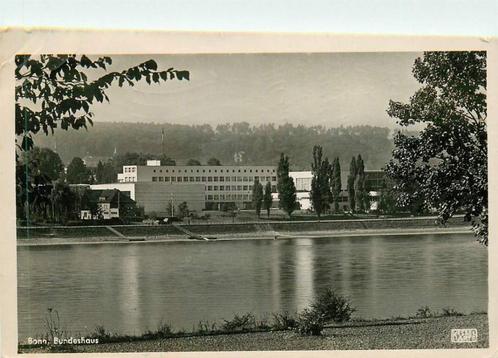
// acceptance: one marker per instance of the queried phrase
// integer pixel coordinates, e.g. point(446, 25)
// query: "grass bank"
point(83, 233)
point(419, 333)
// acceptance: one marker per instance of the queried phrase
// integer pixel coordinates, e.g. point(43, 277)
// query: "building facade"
point(221, 184)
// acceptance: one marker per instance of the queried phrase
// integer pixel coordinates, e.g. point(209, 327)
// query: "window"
point(250, 187)
point(222, 187)
point(166, 179)
point(234, 187)
point(215, 188)
point(210, 197)
point(222, 178)
point(203, 179)
point(210, 178)
point(246, 179)
point(251, 179)
point(215, 171)
point(273, 188)
point(274, 178)
point(239, 196)
point(192, 179)
point(197, 178)
point(246, 197)
point(154, 178)
point(160, 170)
point(215, 178)
point(210, 188)
point(161, 178)
point(228, 196)
point(173, 179)
point(179, 179)
point(167, 171)
point(216, 197)
point(268, 178)
point(239, 178)
point(227, 178)
point(234, 178)
point(185, 179)
point(245, 187)
point(239, 187)
point(227, 187)
point(222, 196)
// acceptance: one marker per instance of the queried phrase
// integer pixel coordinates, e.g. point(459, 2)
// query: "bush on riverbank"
point(333, 307)
point(310, 322)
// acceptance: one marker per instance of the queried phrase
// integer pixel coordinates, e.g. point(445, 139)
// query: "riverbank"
point(255, 235)
point(427, 333)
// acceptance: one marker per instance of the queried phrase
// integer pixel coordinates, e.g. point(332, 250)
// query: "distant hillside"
point(229, 142)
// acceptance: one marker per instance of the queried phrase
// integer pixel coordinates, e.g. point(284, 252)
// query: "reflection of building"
point(375, 180)
point(220, 184)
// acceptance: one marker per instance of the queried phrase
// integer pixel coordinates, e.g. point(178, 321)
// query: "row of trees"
point(262, 198)
point(231, 143)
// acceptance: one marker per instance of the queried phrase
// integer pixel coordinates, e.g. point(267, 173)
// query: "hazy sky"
point(327, 89)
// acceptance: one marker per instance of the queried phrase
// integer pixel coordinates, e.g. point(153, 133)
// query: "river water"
point(129, 288)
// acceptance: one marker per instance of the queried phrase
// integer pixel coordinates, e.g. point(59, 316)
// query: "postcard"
point(247, 194)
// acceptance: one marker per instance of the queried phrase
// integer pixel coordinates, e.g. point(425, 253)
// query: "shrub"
point(164, 330)
point(283, 321)
point(309, 323)
point(424, 312)
point(332, 306)
point(450, 312)
point(243, 323)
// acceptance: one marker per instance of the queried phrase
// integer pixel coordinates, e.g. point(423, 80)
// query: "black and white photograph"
point(259, 201)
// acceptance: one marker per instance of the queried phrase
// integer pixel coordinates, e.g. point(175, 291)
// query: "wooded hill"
point(233, 143)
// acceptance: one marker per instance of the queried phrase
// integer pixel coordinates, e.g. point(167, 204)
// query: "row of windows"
point(129, 179)
point(234, 188)
point(222, 197)
point(129, 169)
point(216, 170)
point(213, 179)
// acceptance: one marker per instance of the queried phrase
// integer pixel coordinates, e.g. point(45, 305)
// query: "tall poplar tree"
point(267, 199)
point(285, 186)
point(257, 196)
point(335, 183)
point(351, 182)
point(320, 183)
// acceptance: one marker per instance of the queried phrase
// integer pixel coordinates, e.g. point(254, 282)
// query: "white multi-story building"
point(221, 184)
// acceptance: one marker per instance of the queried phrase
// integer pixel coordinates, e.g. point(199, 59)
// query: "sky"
point(330, 89)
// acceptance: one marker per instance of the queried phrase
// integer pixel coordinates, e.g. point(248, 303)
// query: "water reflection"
point(131, 288)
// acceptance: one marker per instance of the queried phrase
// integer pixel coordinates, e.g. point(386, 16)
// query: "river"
point(129, 288)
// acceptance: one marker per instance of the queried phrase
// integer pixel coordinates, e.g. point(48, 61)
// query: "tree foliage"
point(360, 191)
point(213, 161)
point(320, 183)
point(193, 162)
point(350, 184)
point(445, 166)
point(77, 172)
point(267, 198)
point(257, 196)
point(335, 183)
point(285, 186)
point(260, 144)
point(57, 92)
